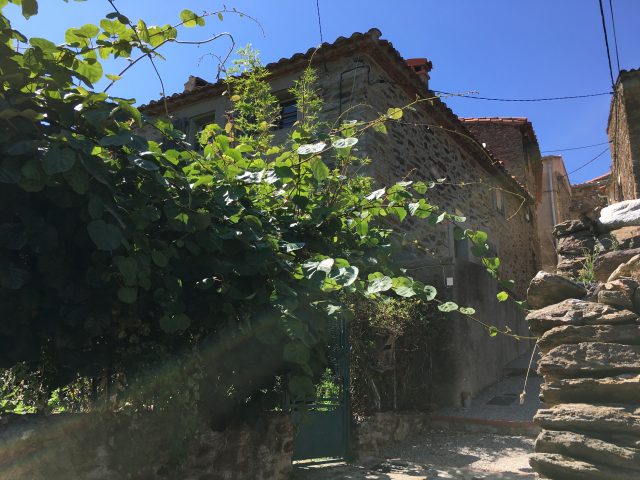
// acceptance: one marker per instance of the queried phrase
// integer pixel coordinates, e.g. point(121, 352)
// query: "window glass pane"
point(288, 114)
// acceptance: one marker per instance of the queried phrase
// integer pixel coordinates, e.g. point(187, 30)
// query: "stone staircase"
point(589, 338)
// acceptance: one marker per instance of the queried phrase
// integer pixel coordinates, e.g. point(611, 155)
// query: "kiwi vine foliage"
point(164, 274)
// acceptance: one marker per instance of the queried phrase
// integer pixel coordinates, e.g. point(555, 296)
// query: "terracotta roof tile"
point(368, 39)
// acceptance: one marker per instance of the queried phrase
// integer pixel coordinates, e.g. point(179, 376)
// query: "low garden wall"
point(112, 446)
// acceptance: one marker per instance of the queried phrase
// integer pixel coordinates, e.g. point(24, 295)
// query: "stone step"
point(589, 449)
point(577, 312)
point(585, 418)
point(593, 359)
point(570, 334)
point(623, 389)
point(553, 465)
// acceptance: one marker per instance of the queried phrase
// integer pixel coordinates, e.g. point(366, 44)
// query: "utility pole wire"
point(589, 162)
point(548, 99)
point(319, 21)
point(615, 37)
point(574, 148)
point(606, 41)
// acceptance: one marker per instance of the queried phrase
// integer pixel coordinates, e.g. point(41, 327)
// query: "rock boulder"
point(590, 418)
point(629, 268)
point(623, 389)
point(618, 215)
point(548, 288)
point(571, 334)
point(587, 448)
point(618, 293)
point(556, 466)
point(572, 226)
point(592, 358)
point(577, 312)
point(606, 263)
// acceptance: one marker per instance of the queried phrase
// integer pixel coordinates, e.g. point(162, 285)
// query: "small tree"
point(173, 278)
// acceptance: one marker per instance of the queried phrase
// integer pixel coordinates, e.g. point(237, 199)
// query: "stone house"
point(588, 198)
point(553, 208)
point(361, 77)
point(623, 129)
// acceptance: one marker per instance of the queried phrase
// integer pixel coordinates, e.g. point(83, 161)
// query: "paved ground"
point(438, 455)
point(490, 440)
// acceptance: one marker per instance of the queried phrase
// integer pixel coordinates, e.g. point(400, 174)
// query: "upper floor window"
point(196, 126)
point(288, 114)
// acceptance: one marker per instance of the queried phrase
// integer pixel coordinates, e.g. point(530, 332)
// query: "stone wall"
point(624, 134)
point(374, 433)
point(589, 338)
point(362, 79)
point(553, 207)
point(587, 199)
point(114, 447)
point(512, 141)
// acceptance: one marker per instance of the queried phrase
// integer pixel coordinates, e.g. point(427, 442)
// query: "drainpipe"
point(553, 198)
point(553, 206)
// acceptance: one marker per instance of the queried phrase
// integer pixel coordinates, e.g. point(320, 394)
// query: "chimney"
point(193, 83)
point(422, 67)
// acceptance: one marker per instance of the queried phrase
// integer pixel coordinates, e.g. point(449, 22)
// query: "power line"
point(319, 21)
point(574, 148)
point(547, 99)
point(615, 37)
point(589, 162)
point(606, 41)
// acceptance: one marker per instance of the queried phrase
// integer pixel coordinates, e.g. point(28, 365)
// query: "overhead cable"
point(573, 148)
point(547, 99)
point(606, 42)
point(589, 162)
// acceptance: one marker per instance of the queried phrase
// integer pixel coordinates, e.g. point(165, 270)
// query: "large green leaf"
point(105, 235)
point(318, 169)
point(91, 70)
point(380, 284)
point(58, 160)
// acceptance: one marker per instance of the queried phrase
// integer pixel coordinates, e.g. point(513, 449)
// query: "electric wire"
point(615, 36)
point(547, 99)
point(606, 41)
point(573, 148)
point(319, 21)
point(589, 162)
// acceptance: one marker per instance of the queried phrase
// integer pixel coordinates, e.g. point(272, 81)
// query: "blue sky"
point(500, 48)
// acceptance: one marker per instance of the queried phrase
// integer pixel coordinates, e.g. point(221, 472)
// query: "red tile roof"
point(500, 120)
point(357, 42)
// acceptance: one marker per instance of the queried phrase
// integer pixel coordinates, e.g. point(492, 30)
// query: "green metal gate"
point(323, 422)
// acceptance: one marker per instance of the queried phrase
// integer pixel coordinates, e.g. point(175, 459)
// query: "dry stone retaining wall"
point(115, 446)
point(590, 363)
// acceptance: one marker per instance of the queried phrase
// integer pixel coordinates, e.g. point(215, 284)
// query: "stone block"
point(584, 417)
point(579, 243)
point(572, 226)
point(618, 293)
point(548, 288)
point(556, 466)
point(587, 448)
point(577, 312)
point(624, 389)
point(618, 215)
point(590, 359)
point(606, 263)
point(572, 334)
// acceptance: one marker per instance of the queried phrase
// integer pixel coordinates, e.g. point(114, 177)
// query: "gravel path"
point(437, 455)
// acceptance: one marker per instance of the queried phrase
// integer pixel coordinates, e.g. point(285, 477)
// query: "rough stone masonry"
point(589, 336)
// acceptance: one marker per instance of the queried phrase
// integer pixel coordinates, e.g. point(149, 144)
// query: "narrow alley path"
point(490, 440)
